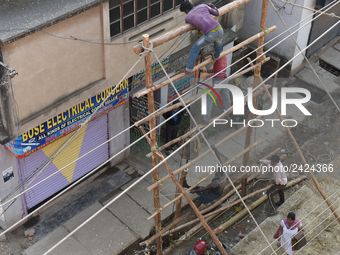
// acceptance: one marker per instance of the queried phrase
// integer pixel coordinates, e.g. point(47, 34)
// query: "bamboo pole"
point(256, 82)
point(220, 201)
point(175, 106)
point(208, 61)
point(178, 139)
point(179, 201)
point(171, 225)
point(152, 124)
point(186, 28)
point(205, 178)
point(192, 204)
point(220, 210)
point(168, 109)
point(251, 207)
point(292, 138)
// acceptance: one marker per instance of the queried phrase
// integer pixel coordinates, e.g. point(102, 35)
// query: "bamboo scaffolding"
point(208, 61)
point(152, 139)
point(192, 204)
point(220, 201)
point(316, 183)
point(152, 124)
point(255, 84)
point(205, 178)
point(181, 189)
point(186, 135)
point(194, 129)
point(179, 201)
point(186, 28)
point(187, 165)
point(175, 106)
point(252, 207)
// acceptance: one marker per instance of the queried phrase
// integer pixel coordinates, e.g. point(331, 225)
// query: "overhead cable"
point(171, 103)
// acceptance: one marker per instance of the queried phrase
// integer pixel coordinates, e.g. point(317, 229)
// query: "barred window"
point(128, 14)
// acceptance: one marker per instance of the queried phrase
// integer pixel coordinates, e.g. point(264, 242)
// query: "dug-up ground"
point(320, 226)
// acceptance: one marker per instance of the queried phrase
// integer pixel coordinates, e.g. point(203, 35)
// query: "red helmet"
point(200, 247)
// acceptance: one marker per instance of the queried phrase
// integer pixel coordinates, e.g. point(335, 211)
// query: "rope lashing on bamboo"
point(147, 50)
point(154, 148)
point(265, 30)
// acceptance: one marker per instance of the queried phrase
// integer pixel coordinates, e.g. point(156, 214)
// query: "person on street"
point(288, 229)
point(213, 190)
point(172, 126)
point(280, 182)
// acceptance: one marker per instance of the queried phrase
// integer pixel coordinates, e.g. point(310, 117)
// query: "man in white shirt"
point(280, 182)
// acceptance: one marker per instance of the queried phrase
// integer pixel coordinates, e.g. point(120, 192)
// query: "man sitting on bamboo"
point(212, 191)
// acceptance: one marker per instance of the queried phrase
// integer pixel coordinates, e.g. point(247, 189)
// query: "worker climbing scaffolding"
point(200, 17)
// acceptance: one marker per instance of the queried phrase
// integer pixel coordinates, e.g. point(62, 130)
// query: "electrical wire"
point(37, 169)
point(304, 55)
point(67, 142)
point(310, 9)
point(182, 95)
point(137, 181)
point(207, 143)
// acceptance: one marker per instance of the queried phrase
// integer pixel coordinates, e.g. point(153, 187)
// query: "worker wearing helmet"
point(200, 248)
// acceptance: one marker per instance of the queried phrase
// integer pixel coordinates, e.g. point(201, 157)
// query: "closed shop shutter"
point(319, 26)
point(92, 135)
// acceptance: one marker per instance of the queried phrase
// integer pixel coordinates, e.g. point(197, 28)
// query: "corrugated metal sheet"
point(319, 26)
point(95, 134)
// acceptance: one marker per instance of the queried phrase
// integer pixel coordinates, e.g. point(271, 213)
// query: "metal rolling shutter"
point(96, 133)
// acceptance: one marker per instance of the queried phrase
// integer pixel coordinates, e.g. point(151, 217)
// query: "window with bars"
point(128, 14)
